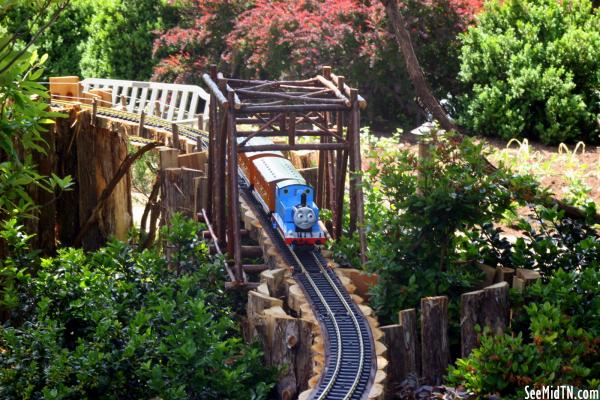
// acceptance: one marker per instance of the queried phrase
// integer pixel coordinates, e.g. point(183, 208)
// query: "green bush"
point(62, 39)
point(24, 119)
point(547, 241)
point(122, 324)
point(559, 347)
point(530, 68)
point(121, 37)
point(416, 213)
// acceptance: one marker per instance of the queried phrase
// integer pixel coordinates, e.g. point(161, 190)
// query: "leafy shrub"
point(62, 39)
point(120, 41)
point(23, 121)
point(122, 324)
point(561, 346)
point(416, 213)
point(291, 39)
point(530, 69)
point(549, 242)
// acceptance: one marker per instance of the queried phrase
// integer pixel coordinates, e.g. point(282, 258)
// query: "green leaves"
point(529, 69)
point(24, 117)
point(118, 323)
point(556, 344)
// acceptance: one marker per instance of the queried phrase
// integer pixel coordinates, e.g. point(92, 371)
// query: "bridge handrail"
point(177, 102)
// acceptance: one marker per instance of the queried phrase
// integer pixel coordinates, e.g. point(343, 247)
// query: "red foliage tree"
point(293, 38)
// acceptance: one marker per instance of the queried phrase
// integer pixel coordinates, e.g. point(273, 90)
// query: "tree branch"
point(417, 77)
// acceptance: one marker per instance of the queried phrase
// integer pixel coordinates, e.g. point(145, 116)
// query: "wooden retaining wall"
point(419, 346)
point(280, 317)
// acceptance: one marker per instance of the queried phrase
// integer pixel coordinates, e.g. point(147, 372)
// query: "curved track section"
point(350, 356)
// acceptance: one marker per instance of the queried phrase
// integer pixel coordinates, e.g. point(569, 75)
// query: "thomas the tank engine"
point(283, 193)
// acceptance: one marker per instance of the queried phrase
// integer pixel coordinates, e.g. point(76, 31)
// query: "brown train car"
point(268, 172)
point(246, 159)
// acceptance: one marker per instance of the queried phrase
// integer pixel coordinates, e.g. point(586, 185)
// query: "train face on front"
point(296, 214)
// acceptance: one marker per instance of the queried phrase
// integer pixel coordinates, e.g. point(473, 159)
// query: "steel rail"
point(338, 333)
point(356, 325)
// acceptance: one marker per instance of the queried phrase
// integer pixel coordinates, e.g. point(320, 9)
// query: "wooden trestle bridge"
point(324, 107)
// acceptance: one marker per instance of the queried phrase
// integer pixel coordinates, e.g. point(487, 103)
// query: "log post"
point(168, 158)
point(177, 188)
point(496, 307)
point(487, 308)
point(392, 339)
point(470, 309)
point(274, 279)
point(435, 352)
point(284, 341)
point(411, 351)
point(304, 359)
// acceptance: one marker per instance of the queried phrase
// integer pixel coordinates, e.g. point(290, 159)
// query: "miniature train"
point(283, 193)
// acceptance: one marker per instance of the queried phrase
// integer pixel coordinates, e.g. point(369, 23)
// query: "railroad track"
point(150, 121)
point(350, 356)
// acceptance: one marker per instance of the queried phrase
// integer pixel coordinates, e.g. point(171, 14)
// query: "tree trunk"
point(413, 67)
point(100, 152)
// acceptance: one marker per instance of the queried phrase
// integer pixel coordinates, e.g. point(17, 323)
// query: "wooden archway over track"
point(322, 107)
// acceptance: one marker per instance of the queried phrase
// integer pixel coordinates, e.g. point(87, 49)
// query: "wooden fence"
point(420, 346)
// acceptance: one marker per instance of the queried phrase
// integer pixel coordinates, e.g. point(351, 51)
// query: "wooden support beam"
point(297, 146)
point(219, 180)
point(357, 172)
point(248, 109)
point(255, 268)
point(141, 127)
point(331, 86)
point(291, 128)
point(94, 112)
point(175, 136)
point(234, 241)
point(287, 96)
point(346, 89)
point(214, 90)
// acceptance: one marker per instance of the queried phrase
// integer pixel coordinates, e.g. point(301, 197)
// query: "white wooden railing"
point(185, 104)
